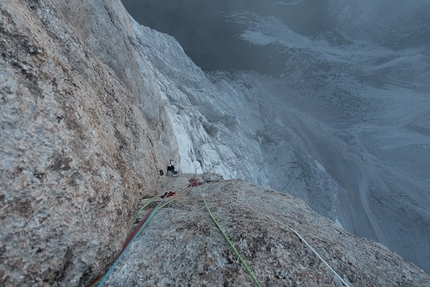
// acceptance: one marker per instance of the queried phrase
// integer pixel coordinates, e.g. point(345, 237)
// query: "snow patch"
point(279, 122)
point(337, 222)
point(258, 38)
point(320, 166)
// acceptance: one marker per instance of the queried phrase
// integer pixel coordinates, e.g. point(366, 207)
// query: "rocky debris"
point(182, 247)
point(81, 139)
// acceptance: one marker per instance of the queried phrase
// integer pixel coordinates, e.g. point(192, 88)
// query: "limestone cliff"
point(83, 133)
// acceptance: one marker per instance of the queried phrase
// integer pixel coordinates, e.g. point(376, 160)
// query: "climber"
point(171, 168)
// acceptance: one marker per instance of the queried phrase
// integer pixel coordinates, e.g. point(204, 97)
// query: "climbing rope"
point(231, 244)
point(194, 182)
point(144, 222)
point(103, 280)
point(296, 233)
point(142, 208)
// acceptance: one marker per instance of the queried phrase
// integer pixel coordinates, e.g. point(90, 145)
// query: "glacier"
point(343, 124)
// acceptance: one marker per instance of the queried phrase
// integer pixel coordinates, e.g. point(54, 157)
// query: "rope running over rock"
point(231, 244)
point(135, 233)
point(296, 233)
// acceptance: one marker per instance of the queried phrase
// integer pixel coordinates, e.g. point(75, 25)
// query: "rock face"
point(84, 131)
point(181, 246)
point(82, 135)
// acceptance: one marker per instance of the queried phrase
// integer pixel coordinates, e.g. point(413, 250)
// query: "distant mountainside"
point(342, 125)
point(394, 24)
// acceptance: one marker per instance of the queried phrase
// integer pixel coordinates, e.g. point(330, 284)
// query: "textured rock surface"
point(182, 247)
point(82, 134)
point(83, 130)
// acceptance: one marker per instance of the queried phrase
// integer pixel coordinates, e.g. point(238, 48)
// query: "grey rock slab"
point(181, 246)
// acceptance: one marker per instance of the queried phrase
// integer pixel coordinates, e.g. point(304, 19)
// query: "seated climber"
point(171, 168)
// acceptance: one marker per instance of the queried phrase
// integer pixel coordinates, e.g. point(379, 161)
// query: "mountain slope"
point(340, 123)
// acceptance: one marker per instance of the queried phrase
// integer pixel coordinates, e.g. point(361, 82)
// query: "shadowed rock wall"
point(82, 135)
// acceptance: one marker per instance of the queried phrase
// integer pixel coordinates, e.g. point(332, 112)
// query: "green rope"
point(140, 210)
point(151, 200)
point(161, 204)
point(231, 244)
point(106, 276)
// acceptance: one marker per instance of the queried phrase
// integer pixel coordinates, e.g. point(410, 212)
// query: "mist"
point(208, 37)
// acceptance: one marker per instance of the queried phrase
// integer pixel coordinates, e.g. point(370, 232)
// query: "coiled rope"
point(296, 233)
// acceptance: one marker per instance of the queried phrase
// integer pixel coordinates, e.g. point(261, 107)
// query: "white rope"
point(296, 233)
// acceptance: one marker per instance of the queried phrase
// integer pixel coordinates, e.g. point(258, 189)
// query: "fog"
point(204, 31)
